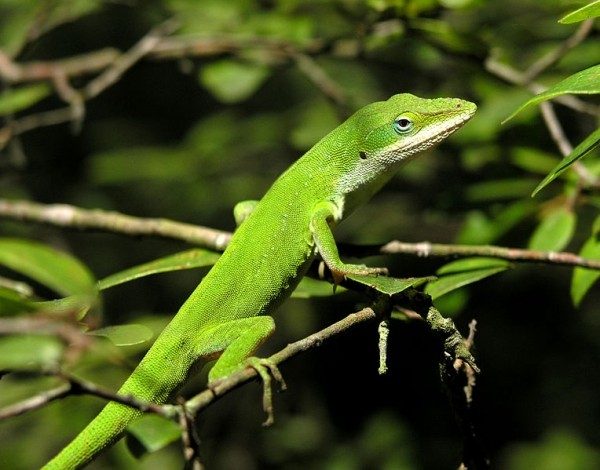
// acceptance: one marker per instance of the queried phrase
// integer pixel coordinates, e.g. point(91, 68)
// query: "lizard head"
point(405, 125)
point(390, 133)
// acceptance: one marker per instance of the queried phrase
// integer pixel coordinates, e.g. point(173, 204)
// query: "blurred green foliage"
point(210, 117)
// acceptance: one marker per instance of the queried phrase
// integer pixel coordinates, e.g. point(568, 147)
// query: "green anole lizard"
point(228, 315)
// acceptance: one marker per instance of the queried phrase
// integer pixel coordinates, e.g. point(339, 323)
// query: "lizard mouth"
point(423, 140)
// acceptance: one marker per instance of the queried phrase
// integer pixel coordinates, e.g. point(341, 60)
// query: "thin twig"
point(525, 79)
point(555, 55)
point(74, 386)
point(35, 402)
point(516, 77)
point(34, 121)
point(125, 61)
point(203, 399)
point(71, 67)
point(426, 249)
point(320, 78)
point(63, 215)
point(71, 217)
point(112, 65)
point(555, 128)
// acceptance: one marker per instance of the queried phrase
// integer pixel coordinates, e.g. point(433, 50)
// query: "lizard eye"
point(402, 125)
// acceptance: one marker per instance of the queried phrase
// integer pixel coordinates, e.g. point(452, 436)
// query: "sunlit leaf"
point(583, 149)
point(30, 352)
point(232, 81)
point(52, 268)
point(460, 273)
point(591, 10)
point(585, 82)
point(151, 433)
point(189, 259)
point(124, 335)
point(554, 231)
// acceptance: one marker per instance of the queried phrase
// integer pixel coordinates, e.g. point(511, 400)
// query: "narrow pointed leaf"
point(124, 335)
point(388, 285)
point(59, 271)
point(591, 10)
point(460, 273)
point(584, 82)
point(189, 259)
point(583, 149)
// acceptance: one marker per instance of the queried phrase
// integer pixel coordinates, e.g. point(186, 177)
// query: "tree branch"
point(556, 54)
point(71, 217)
point(67, 216)
point(516, 77)
point(74, 386)
point(426, 249)
point(112, 65)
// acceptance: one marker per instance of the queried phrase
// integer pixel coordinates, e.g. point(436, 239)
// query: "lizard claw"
point(266, 369)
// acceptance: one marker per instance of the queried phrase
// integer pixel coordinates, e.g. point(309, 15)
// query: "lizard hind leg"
point(238, 340)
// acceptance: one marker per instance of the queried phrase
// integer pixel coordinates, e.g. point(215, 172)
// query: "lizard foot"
point(267, 370)
point(339, 275)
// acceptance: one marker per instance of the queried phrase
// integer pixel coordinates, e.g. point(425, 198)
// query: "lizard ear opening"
point(362, 154)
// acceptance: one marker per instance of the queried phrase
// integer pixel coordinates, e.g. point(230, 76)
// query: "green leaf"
point(388, 285)
point(309, 288)
point(591, 10)
point(555, 231)
point(585, 82)
point(60, 272)
point(13, 302)
point(124, 335)
point(533, 160)
point(583, 279)
point(583, 149)
point(17, 99)
point(481, 229)
point(188, 259)
point(150, 433)
point(460, 273)
point(79, 304)
point(19, 16)
point(232, 81)
point(30, 352)
point(495, 190)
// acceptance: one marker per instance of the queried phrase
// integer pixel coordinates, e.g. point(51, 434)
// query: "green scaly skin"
point(228, 315)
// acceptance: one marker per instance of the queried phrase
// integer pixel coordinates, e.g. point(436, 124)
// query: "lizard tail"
point(101, 433)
